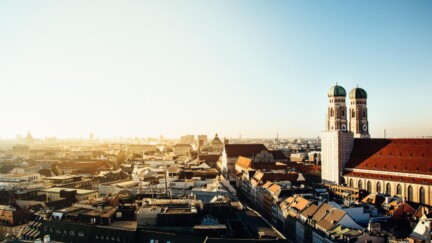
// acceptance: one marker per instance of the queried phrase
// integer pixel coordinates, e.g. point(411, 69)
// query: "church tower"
point(336, 116)
point(337, 141)
point(359, 124)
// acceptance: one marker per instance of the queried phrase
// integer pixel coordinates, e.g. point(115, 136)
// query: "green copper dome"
point(337, 91)
point(358, 93)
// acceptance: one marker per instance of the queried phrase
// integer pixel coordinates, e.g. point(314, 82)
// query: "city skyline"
point(145, 69)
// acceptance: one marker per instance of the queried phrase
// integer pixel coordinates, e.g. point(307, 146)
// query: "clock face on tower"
point(365, 127)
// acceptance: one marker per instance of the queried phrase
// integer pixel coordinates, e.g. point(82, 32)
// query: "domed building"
point(217, 143)
point(337, 119)
point(397, 167)
point(359, 124)
point(336, 91)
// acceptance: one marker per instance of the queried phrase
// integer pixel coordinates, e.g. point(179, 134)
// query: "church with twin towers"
point(338, 138)
point(398, 166)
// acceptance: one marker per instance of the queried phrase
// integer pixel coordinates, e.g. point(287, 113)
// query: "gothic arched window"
point(353, 113)
point(331, 112)
point(388, 189)
point(378, 187)
point(399, 190)
point(351, 183)
point(422, 195)
point(360, 184)
point(410, 194)
point(369, 186)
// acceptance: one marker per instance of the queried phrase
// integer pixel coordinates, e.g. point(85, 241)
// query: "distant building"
point(217, 144)
point(182, 150)
point(29, 138)
point(21, 151)
point(187, 139)
point(69, 181)
point(201, 142)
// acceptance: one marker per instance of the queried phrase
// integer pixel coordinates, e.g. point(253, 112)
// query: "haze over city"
point(140, 68)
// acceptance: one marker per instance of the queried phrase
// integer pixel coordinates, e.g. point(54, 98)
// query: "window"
point(410, 193)
point(80, 233)
point(378, 187)
point(399, 190)
point(360, 184)
point(331, 112)
point(353, 113)
point(388, 189)
point(51, 229)
point(72, 232)
point(422, 195)
point(58, 231)
point(369, 186)
point(351, 183)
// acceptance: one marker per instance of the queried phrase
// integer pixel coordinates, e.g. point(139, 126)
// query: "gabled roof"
point(309, 211)
point(267, 185)
point(300, 203)
point(396, 155)
point(331, 218)
point(243, 162)
point(401, 210)
point(245, 150)
point(274, 188)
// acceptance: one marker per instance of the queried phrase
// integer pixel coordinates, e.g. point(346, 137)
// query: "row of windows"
point(410, 192)
point(81, 234)
point(112, 238)
point(59, 231)
point(337, 100)
point(358, 102)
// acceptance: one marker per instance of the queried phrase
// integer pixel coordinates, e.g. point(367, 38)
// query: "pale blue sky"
point(145, 68)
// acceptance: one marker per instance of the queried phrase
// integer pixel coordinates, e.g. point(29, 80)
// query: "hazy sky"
point(145, 68)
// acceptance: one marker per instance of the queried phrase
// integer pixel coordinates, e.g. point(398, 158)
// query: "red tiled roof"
point(397, 155)
point(306, 169)
point(245, 150)
point(390, 178)
point(401, 210)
